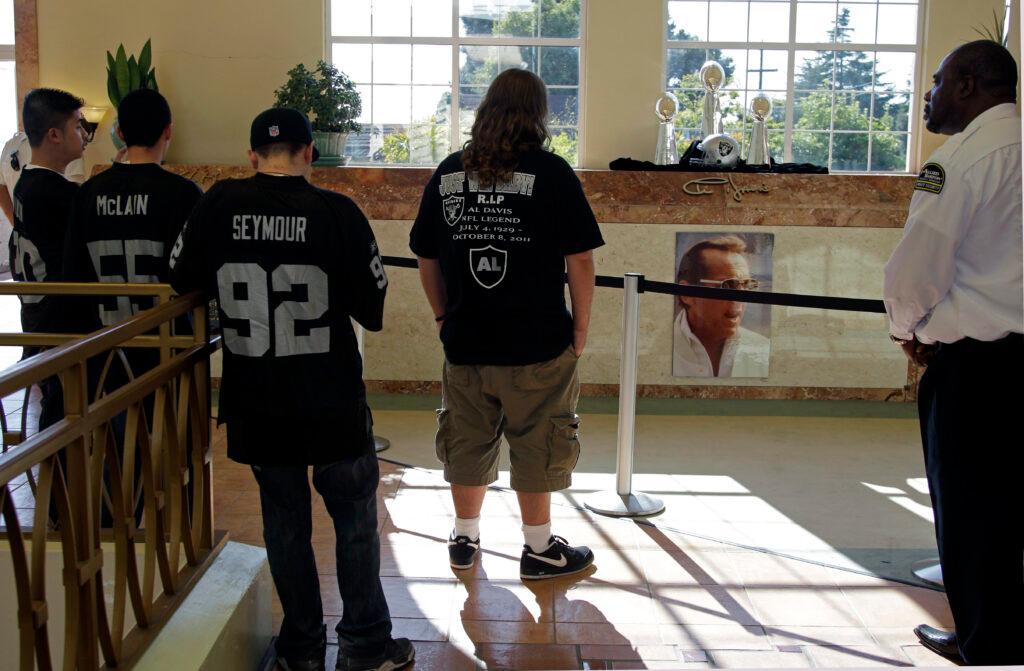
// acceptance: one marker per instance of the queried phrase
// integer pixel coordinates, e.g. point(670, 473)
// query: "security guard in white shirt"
point(953, 292)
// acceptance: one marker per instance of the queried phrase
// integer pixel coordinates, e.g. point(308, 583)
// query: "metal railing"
point(136, 454)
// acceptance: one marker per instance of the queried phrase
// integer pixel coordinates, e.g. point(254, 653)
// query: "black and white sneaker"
point(559, 559)
point(397, 654)
point(462, 551)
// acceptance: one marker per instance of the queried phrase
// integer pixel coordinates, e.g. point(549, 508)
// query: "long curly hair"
point(511, 119)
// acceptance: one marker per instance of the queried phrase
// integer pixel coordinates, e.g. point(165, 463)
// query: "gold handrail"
point(80, 468)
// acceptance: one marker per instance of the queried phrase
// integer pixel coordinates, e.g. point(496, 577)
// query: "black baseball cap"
point(281, 124)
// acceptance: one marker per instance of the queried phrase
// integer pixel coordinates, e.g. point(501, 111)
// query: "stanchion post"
point(624, 502)
point(379, 444)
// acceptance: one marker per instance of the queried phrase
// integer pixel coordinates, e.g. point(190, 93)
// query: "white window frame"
point(455, 42)
point(791, 47)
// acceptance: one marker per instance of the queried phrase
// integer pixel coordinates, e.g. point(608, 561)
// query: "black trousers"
point(968, 401)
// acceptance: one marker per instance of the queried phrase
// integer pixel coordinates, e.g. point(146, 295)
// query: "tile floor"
point(654, 599)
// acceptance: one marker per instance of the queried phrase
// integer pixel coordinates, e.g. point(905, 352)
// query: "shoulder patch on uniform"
point(931, 179)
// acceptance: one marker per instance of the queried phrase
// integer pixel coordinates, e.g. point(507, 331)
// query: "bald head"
point(971, 79)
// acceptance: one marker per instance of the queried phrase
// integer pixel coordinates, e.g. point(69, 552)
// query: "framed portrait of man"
point(716, 338)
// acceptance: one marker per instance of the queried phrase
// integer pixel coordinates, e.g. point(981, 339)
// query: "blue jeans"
point(349, 491)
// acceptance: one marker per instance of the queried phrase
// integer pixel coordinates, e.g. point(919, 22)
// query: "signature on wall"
point(700, 187)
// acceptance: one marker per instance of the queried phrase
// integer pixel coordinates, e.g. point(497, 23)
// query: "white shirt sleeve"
point(920, 271)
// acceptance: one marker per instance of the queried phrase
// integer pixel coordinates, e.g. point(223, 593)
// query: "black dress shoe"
point(939, 641)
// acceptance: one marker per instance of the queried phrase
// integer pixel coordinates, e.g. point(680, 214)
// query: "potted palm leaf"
point(126, 74)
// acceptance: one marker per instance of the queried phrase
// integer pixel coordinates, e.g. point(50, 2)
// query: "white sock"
point(469, 528)
point(538, 537)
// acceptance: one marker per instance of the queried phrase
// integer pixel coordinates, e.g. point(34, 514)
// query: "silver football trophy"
point(712, 76)
point(667, 153)
point(758, 153)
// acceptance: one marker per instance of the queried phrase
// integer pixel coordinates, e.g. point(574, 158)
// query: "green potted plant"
point(330, 100)
point(126, 74)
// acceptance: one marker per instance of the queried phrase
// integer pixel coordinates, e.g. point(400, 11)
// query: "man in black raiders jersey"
point(291, 265)
point(42, 201)
point(125, 220)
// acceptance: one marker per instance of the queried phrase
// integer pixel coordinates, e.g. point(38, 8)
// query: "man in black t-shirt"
point(290, 265)
point(42, 202)
point(493, 259)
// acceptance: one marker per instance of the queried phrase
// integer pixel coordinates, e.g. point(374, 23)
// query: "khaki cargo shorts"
point(533, 406)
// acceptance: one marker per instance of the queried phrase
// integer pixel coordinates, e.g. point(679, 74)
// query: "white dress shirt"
point(957, 273)
point(746, 354)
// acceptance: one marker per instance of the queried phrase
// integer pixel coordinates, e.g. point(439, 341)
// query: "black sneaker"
point(313, 664)
point(462, 551)
point(559, 559)
point(397, 654)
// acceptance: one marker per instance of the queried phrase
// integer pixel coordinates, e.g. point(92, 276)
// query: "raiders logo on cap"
point(274, 131)
point(931, 179)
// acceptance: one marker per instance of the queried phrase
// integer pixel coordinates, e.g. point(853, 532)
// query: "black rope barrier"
point(736, 295)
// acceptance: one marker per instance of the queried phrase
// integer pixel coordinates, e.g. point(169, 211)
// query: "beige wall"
point(217, 65)
point(948, 24)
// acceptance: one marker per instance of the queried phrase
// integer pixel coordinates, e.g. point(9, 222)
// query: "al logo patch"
point(488, 264)
point(931, 179)
point(453, 209)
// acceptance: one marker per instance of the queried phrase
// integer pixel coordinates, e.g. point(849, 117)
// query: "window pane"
point(851, 111)
point(854, 69)
point(392, 63)
point(560, 18)
point(432, 18)
point(727, 22)
point(813, 70)
point(682, 67)
point(429, 143)
point(394, 146)
point(470, 97)
point(894, 71)
point(897, 24)
point(812, 111)
point(563, 107)
point(498, 18)
point(766, 69)
point(564, 142)
point(690, 106)
point(431, 64)
point(889, 152)
point(850, 151)
point(358, 145)
point(366, 96)
point(431, 103)
point(392, 104)
point(810, 148)
point(687, 20)
point(354, 60)
point(769, 21)
point(480, 64)
point(892, 111)
point(350, 18)
point(734, 62)
point(392, 18)
point(777, 145)
point(856, 23)
point(815, 21)
point(8, 100)
point(560, 65)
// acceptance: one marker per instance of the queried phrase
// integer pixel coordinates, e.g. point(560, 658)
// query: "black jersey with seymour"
point(42, 202)
point(123, 225)
point(289, 264)
point(502, 252)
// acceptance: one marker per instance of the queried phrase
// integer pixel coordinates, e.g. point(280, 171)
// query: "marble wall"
point(833, 235)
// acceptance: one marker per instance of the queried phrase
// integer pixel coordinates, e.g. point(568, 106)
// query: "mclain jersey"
point(42, 201)
point(290, 265)
point(123, 225)
point(502, 253)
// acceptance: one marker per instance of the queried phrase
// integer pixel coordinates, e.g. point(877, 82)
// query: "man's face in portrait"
point(711, 320)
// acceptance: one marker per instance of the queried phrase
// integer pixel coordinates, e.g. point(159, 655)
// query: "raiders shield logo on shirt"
point(453, 209)
point(488, 265)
